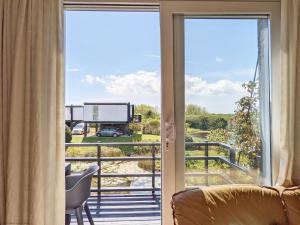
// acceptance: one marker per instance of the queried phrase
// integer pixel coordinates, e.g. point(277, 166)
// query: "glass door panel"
point(227, 99)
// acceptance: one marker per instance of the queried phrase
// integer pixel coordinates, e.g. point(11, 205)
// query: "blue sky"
point(115, 57)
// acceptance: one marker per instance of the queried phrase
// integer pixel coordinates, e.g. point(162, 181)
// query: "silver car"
point(109, 132)
point(79, 129)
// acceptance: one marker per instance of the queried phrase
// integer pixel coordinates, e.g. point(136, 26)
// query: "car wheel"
point(115, 135)
point(98, 135)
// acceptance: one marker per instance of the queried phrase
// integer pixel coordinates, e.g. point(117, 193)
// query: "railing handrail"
point(112, 144)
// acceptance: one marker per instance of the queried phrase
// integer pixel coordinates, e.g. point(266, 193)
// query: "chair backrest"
point(79, 192)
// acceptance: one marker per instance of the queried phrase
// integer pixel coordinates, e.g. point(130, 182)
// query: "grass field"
point(125, 150)
point(124, 138)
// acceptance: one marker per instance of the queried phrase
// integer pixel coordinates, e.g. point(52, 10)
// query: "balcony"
point(132, 196)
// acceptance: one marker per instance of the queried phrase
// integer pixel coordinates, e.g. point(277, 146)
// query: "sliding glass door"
point(201, 76)
point(227, 99)
point(221, 61)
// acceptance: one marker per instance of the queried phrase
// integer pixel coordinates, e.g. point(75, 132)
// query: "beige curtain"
point(31, 113)
point(286, 169)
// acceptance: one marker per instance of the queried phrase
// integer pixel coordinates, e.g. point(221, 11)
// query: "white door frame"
point(172, 64)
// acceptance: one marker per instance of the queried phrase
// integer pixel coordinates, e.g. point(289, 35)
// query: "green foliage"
point(111, 152)
point(218, 123)
point(192, 109)
point(147, 111)
point(218, 135)
point(221, 136)
point(197, 122)
point(147, 165)
point(152, 127)
point(194, 164)
point(135, 127)
point(208, 122)
point(68, 134)
point(188, 138)
point(245, 123)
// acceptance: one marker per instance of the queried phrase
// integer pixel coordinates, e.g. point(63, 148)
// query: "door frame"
point(172, 100)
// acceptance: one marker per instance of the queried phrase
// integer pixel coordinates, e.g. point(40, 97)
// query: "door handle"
point(170, 134)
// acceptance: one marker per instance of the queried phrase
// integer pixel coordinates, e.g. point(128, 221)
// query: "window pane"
point(227, 101)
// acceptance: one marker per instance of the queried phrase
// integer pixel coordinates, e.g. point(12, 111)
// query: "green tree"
point(218, 135)
point(221, 136)
point(192, 109)
point(204, 123)
point(135, 127)
point(147, 111)
point(68, 134)
point(219, 123)
point(152, 127)
point(245, 124)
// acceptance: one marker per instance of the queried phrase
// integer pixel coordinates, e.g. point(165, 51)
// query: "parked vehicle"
point(109, 132)
point(79, 129)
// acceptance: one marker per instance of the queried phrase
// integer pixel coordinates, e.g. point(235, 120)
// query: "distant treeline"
point(208, 121)
point(195, 117)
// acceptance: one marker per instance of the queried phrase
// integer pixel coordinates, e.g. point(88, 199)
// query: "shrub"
point(208, 122)
point(218, 135)
point(204, 123)
point(145, 165)
point(218, 123)
point(198, 122)
point(147, 111)
point(135, 127)
point(111, 152)
point(68, 134)
point(188, 138)
point(152, 127)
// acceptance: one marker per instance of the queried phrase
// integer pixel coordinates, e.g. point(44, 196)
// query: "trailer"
point(107, 113)
point(103, 115)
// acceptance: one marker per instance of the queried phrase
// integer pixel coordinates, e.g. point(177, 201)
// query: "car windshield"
point(79, 126)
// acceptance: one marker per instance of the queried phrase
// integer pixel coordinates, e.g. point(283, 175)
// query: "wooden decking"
point(123, 209)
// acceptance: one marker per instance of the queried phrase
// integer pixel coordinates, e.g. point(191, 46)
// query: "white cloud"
point(89, 79)
point(73, 69)
point(143, 83)
point(195, 85)
point(219, 59)
point(100, 80)
point(139, 83)
point(151, 56)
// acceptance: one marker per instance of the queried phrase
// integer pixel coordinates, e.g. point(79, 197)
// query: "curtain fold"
point(31, 112)
point(286, 169)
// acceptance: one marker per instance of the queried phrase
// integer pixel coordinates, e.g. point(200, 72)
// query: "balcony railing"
point(229, 160)
point(119, 205)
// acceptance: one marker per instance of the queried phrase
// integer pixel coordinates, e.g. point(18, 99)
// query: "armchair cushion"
point(229, 205)
point(291, 199)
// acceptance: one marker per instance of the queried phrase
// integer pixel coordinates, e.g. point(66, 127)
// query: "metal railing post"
point(232, 156)
point(153, 170)
point(206, 161)
point(85, 130)
point(99, 176)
